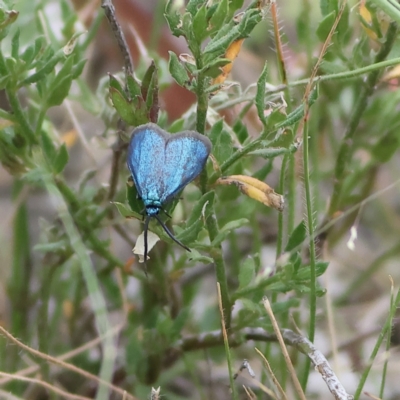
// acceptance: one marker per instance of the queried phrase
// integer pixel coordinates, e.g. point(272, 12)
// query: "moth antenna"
point(165, 212)
point(146, 229)
point(168, 232)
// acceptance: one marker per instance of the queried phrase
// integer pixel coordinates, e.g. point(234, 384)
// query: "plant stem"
point(216, 254)
point(310, 226)
point(378, 343)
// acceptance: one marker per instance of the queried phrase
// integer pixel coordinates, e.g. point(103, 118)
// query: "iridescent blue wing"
point(185, 156)
point(146, 160)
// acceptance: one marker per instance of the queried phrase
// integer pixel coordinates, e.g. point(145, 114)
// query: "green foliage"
point(343, 128)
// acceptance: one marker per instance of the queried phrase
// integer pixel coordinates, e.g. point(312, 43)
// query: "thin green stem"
point(43, 319)
point(202, 105)
point(378, 343)
point(388, 345)
point(310, 225)
point(220, 271)
point(390, 9)
point(92, 31)
point(39, 122)
point(355, 73)
point(279, 239)
point(228, 351)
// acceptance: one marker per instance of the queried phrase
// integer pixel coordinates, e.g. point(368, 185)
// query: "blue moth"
point(161, 165)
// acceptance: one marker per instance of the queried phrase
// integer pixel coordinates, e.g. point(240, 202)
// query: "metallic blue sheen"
point(162, 164)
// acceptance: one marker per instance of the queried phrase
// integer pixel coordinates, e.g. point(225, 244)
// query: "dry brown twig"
point(63, 364)
point(321, 364)
point(46, 385)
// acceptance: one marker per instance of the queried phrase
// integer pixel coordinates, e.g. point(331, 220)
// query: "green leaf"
point(177, 126)
point(15, 45)
point(177, 70)
point(218, 17)
point(235, 5)
point(213, 68)
point(193, 6)
point(199, 258)
point(260, 95)
point(48, 148)
point(297, 237)
point(325, 26)
point(133, 87)
point(61, 159)
point(327, 6)
point(221, 141)
point(285, 306)
point(227, 229)
point(386, 147)
point(115, 83)
point(202, 209)
point(304, 273)
point(219, 45)
point(132, 112)
point(246, 273)
point(52, 247)
point(173, 18)
point(199, 25)
point(46, 69)
point(149, 91)
point(125, 211)
point(190, 234)
point(134, 202)
point(59, 92)
point(147, 79)
point(77, 69)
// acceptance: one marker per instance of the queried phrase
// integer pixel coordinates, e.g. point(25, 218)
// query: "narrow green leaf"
point(285, 306)
point(148, 77)
point(227, 229)
point(197, 257)
point(15, 45)
point(218, 17)
point(213, 68)
point(246, 273)
point(297, 237)
point(177, 70)
point(260, 94)
point(199, 25)
point(325, 26)
point(125, 211)
point(221, 141)
point(28, 55)
point(134, 202)
point(190, 234)
point(386, 146)
point(59, 92)
point(193, 6)
point(115, 83)
point(77, 69)
point(122, 106)
point(48, 147)
point(61, 159)
point(133, 87)
point(202, 208)
point(327, 6)
point(43, 72)
point(173, 18)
